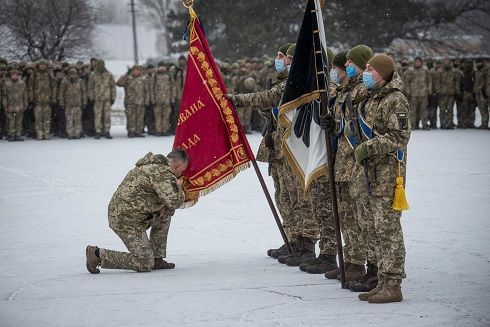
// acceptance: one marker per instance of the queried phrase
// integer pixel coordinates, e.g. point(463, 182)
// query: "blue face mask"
point(367, 79)
point(280, 66)
point(351, 71)
point(334, 76)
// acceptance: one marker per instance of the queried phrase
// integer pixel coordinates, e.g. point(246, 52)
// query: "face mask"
point(368, 80)
point(351, 71)
point(334, 76)
point(280, 66)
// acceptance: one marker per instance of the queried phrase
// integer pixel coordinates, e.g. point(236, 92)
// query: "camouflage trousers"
point(73, 121)
point(14, 120)
point(302, 220)
point(466, 113)
point(42, 113)
point(135, 115)
point(162, 117)
point(381, 227)
point(354, 249)
point(142, 250)
point(482, 103)
point(284, 200)
point(102, 113)
point(245, 116)
point(418, 110)
point(319, 195)
point(446, 104)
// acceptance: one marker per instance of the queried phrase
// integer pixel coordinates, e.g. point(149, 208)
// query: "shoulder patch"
point(402, 120)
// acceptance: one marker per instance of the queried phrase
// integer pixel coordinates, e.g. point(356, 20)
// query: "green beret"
point(291, 50)
point(340, 59)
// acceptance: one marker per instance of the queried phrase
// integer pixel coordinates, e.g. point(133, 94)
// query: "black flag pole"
point(320, 58)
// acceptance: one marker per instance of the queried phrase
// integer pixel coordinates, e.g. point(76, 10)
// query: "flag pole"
point(328, 136)
point(272, 206)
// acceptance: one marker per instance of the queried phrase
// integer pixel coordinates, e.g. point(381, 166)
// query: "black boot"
point(366, 282)
point(97, 136)
point(108, 136)
point(297, 247)
point(323, 264)
point(281, 248)
point(306, 255)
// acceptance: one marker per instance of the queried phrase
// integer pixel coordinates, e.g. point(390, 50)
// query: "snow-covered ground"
point(53, 202)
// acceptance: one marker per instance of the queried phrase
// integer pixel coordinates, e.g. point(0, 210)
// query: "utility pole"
point(135, 40)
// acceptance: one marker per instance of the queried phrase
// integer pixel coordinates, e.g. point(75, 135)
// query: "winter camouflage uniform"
point(481, 77)
point(15, 103)
point(418, 85)
point(448, 88)
point(102, 93)
point(72, 97)
point(147, 190)
point(162, 95)
point(43, 94)
point(136, 97)
point(355, 250)
point(387, 111)
point(286, 195)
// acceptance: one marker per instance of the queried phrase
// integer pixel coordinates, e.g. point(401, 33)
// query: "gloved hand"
point(348, 130)
point(328, 122)
point(361, 153)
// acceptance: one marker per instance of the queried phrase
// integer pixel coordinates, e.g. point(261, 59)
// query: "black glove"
point(327, 122)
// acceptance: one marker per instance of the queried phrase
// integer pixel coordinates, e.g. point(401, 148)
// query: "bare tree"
point(48, 29)
point(159, 13)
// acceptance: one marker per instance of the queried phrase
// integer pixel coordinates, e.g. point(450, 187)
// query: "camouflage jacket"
point(161, 89)
point(264, 101)
point(418, 82)
point(136, 90)
point(14, 97)
point(179, 79)
point(72, 94)
point(43, 88)
point(146, 189)
point(449, 82)
point(101, 87)
point(387, 112)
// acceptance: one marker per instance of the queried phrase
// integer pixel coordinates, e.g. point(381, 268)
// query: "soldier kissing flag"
point(304, 142)
point(207, 128)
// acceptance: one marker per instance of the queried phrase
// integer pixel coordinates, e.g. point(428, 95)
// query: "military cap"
point(42, 62)
point(340, 59)
point(291, 50)
point(384, 65)
point(161, 63)
point(359, 55)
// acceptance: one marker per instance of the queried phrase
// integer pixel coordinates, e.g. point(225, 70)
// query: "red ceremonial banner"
point(208, 128)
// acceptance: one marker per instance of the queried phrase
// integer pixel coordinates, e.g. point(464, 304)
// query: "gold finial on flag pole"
point(188, 3)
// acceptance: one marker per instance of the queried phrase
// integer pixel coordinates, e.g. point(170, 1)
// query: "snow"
point(53, 202)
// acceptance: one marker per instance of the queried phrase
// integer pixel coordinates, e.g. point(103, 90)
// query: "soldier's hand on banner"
point(361, 153)
point(328, 122)
point(232, 98)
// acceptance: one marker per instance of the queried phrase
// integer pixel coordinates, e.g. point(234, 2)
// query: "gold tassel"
point(400, 200)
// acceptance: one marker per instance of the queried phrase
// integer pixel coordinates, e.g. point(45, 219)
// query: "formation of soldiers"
point(42, 99)
point(369, 173)
point(438, 85)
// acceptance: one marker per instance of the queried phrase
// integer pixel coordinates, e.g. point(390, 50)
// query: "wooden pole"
point(271, 205)
point(135, 39)
point(323, 86)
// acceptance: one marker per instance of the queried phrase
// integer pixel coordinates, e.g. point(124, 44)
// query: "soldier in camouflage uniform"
point(448, 88)
point(58, 123)
point(43, 91)
point(3, 78)
point(72, 97)
point(29, 119)
point(270, 150)
point(433, 100)
point(418, 86)
point(147, 197)
point(14, 101)
point(102, 93)
point(481, 76)
point(387, 113)
point(466, 112)
point(162, 96)
point(149, 74)
point(136, 97)
point(178, 82)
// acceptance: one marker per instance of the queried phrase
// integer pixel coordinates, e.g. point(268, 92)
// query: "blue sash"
point(369, 133)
